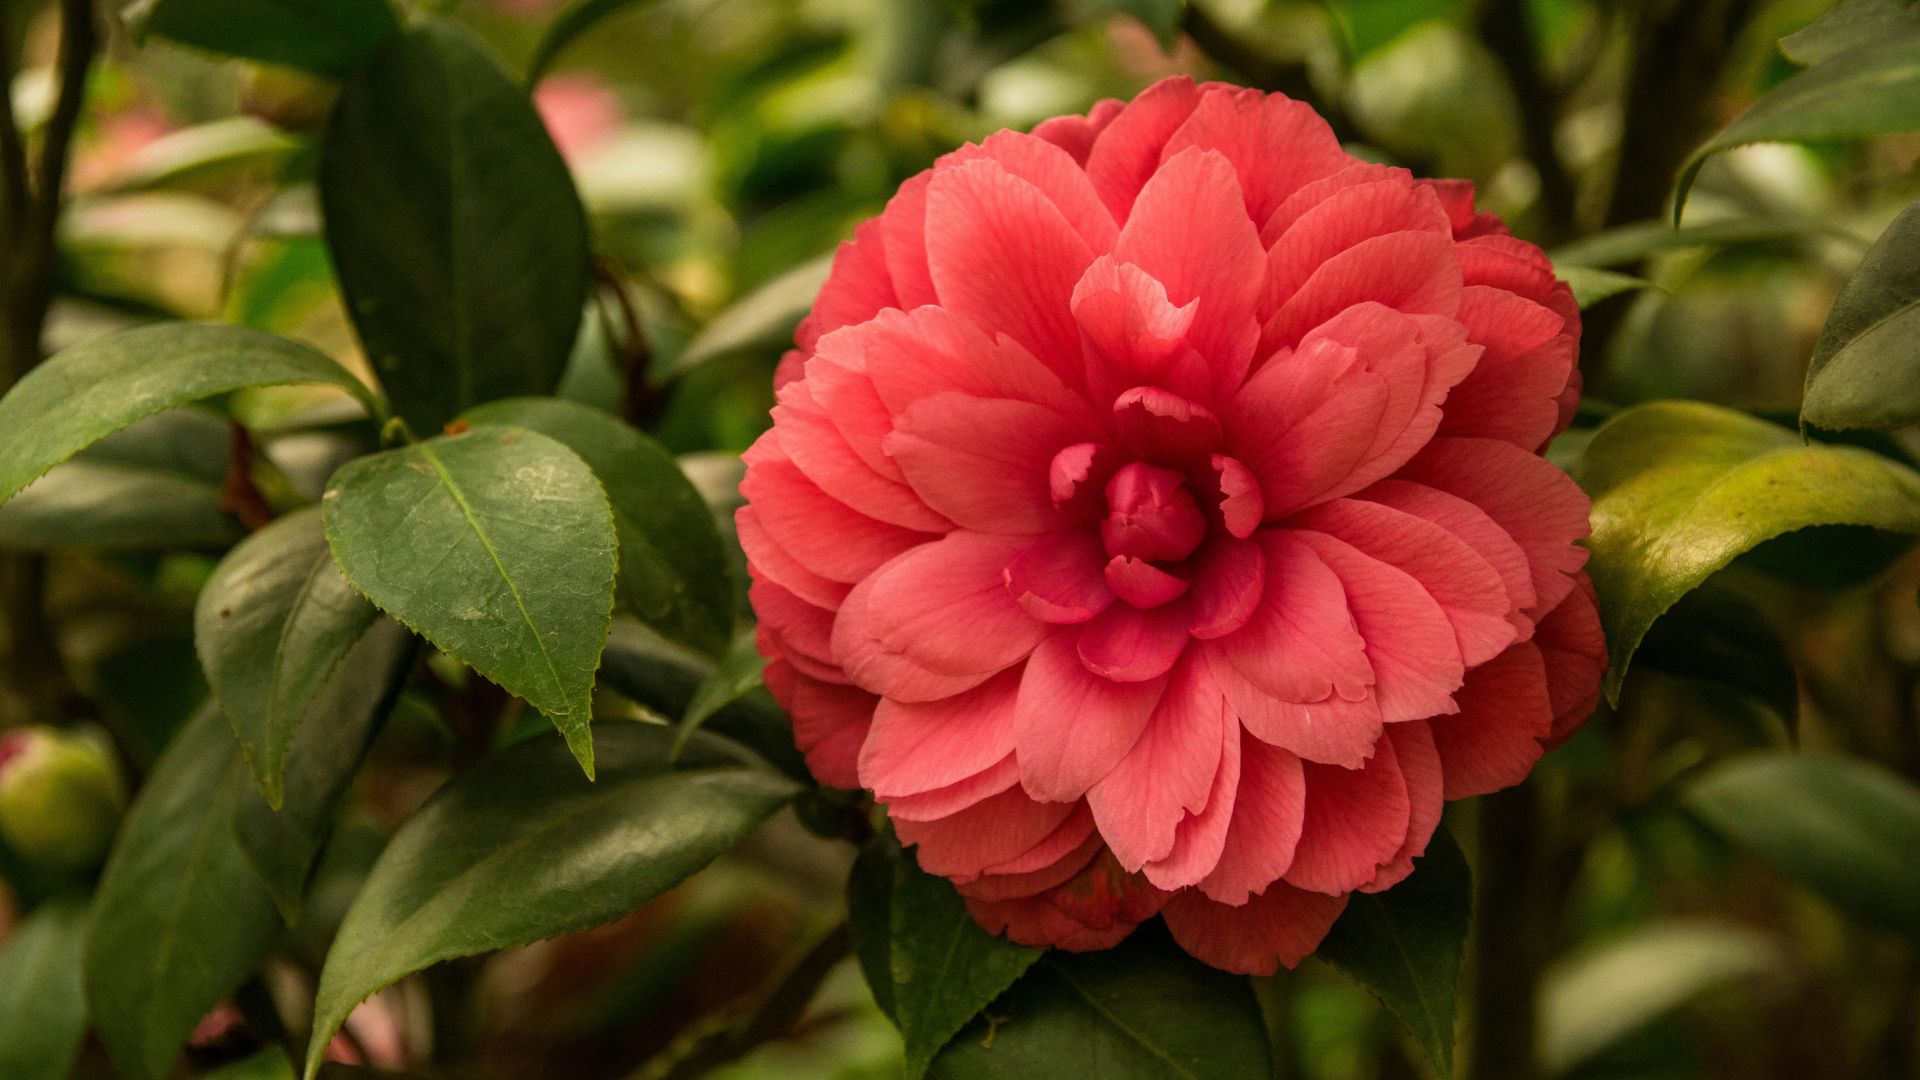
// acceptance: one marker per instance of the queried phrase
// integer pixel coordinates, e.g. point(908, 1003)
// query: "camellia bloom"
point(1154, 519)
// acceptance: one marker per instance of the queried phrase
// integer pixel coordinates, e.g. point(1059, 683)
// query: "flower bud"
point(61, 797)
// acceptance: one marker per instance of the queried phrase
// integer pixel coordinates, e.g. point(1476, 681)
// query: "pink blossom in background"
point(103, 158)
point(581, 112)
point(1153, 518)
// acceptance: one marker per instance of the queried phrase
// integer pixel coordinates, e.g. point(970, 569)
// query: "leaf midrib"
point(1120, 1025)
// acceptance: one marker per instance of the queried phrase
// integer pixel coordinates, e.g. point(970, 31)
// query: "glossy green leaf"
point(153, 485)
point(42, 1011)
point(673, 571)
point(1850, 25)
point(328, 36)
point(89, 391)
point(346, 710)
point(460, 242)
point(1714, 634)
point(180, 919)
point(761, 321)
point(663, 676)
point(1846, 829)
point(498, 546)
point(945, 967)
point(1591, 1000)
point(1865, 370)
point(521, 848)
point(1681, 488)
point(1406, 944)
point(1867, 90)
point(734, 677)
point(870, 915)
point(579, 17)
point(271, 624)
point(1143, 1010)
point(1591, 285)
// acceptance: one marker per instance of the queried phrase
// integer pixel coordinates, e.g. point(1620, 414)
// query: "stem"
point(13, 149)
point(1508, 931)
point(1507, 28)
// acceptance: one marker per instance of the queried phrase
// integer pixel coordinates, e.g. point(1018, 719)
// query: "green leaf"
point(347, 708)
point(737, 675)
point(1405, 945)
point(520, 848)
point(663, 676)
point(1681, 488)
point(1715, 634)
point(870, 915)
point(497, 545)
point(673, 570)
point(153, 485)
point(459, 239)
point(1144, 1010)
point(180, 919)
point(1851, 25)
point(945, 967)
point(761, 321)
point(1640, 240)
point(327, 36)
point(1865, 370)
point(44, 1017)
point(568, 26)
point(1865, 91)
point(1845, 829)
point(268, 1064)
point(207, 153)
point(271, 624)
point(91, 390)
point(1591, 285)
point(1591, 1001)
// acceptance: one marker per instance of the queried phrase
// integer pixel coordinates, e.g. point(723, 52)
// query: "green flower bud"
point(61, 797)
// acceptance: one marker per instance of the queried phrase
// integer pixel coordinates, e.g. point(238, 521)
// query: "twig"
point(639, 399)
point(13, 149)
point(1507, 29)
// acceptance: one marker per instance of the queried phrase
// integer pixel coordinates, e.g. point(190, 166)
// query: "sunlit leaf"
point(498, 546)
point(522, 847)
point(1591, 285)
point(1681, 488)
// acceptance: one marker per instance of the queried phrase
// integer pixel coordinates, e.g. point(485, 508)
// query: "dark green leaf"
point(1142, 1011)
point(1865, 370)
point(736, 676)
point(87, 392)
point(1850, 25)
point(272, 622)
point(945, 968)
point(1845, 829)
point(459, 239)
point(576, 20)
point(1713, 633)
point(761, 321)
point(521, 848)
point(328, 36)
point(663, 676)
point(1631, 243)
point(42, 1012)
point(1867, 90)
point(180, 919)
point(1592, 1000)
point(870, 915)
point(498, 546)
point(1405, 945)
point(94, 503)
point(673, 571)
point(268, 1064)
point(1681, 488)
point(325, 753)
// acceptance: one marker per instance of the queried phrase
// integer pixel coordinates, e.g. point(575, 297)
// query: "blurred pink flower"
point(117, 140)
point(1153, 518)
point(581, 112)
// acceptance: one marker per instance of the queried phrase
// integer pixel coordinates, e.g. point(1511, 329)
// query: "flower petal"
point(1072, 727)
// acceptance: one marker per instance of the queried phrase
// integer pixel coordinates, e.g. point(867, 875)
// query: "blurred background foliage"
point(724, 147)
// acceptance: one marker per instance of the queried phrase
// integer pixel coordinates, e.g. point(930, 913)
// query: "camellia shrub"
point(966, 540)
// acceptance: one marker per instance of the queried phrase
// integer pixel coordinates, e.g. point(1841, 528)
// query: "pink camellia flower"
point(1153, 518)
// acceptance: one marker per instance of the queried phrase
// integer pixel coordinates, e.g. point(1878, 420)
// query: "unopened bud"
point(61, 797)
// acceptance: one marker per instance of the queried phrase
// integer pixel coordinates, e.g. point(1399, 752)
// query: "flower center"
point(1151, 515)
